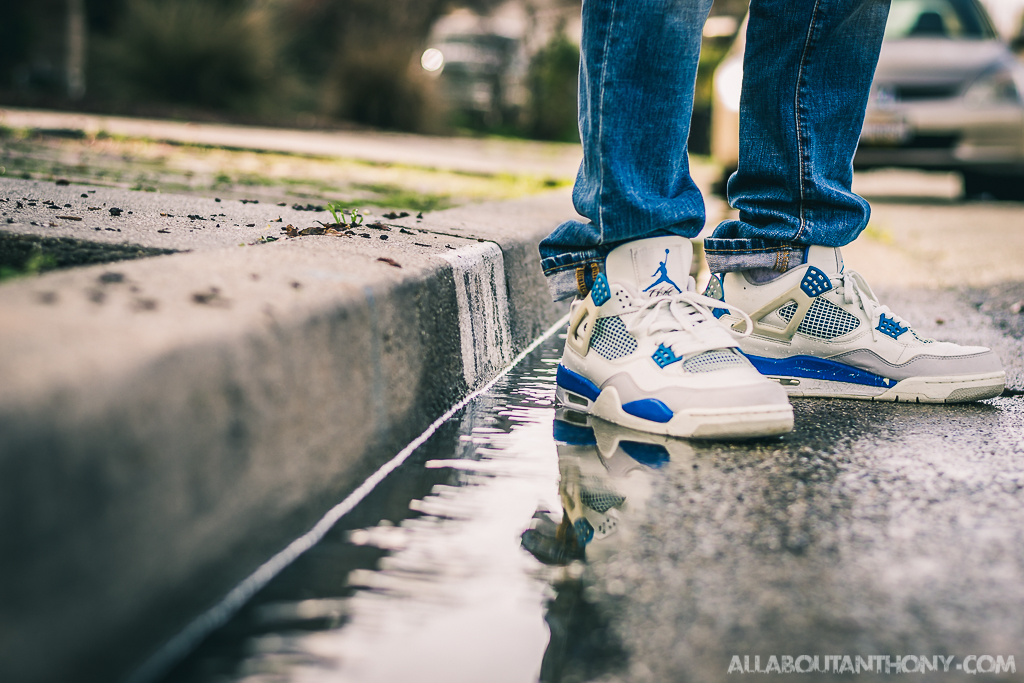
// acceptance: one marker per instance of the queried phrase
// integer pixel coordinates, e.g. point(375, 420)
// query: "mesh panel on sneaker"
point(719, 359)
point(786, 312)
point(598, 497)
point(611, 339)
point(824, 319)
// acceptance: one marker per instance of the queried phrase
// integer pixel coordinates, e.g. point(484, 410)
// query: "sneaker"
point(819, 330)
point(643, 350)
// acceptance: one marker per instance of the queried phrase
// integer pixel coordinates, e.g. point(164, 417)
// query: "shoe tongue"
point(656, 265)
point(827, 259)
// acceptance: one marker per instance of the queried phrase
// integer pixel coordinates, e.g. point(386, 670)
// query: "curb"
point(150, 459)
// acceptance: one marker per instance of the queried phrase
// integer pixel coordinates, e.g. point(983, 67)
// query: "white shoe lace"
point(682, 312)
point(855, 289)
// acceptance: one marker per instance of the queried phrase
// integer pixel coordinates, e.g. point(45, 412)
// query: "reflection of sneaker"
point(644, 351)
point(820, 331)
point(624, 450)
point(552, 543)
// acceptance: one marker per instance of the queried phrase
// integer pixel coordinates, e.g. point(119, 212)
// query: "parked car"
point(948, 94)
point(481, 66)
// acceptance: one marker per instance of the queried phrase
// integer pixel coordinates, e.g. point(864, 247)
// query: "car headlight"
point(998, 87)
point(432, 59)
point(729, 83)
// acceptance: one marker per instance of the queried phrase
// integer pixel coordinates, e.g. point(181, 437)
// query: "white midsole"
point(707, 423)
point(912, 389)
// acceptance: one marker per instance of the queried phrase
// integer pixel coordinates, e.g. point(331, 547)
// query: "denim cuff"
point(572, 274)
point(727, 255)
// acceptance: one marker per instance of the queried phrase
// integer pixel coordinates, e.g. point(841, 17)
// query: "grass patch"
point(28, 255)
point(394, 196)
point(37, 262)
point(271, 177)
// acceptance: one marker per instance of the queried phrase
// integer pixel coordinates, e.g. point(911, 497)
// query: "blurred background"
point(494, 67)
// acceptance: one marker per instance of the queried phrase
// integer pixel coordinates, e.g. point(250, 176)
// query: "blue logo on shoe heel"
point(815, 282)
point(662, 274)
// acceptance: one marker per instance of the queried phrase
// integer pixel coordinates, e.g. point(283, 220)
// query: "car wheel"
point(1006, 187)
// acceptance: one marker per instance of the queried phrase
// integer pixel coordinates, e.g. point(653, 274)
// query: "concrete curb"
point(165, 430)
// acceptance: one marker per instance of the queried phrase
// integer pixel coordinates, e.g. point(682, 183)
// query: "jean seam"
point(796, 117)
point(751, 250)
point(571, 266)
point(600, 117)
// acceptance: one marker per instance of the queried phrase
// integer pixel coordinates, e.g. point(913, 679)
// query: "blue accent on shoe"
point(651, 454)
point(815, 282)
point(649, 409)
point(584, 531)
point(810, 367)
point(600, 292)
point(716, 290)
point(662, 273)
point(890, 327)
point(576, 383)
point(665, 356)
point(574, 435)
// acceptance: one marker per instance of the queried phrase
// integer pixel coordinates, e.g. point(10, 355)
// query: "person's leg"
point(637, 74)
point(642, 348)
point(817, 326)
point(807, 71)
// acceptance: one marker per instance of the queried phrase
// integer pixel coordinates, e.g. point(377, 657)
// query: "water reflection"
point(605, 478)
point(604, 473)
point(426, 580)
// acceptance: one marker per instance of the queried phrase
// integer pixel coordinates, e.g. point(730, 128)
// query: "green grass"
point(144, 165)
point(36, 263)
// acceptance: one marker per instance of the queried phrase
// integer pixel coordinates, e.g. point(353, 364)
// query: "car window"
point(937, 19)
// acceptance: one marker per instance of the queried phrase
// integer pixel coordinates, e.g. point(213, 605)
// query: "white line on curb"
point(178, 647)
point(479, 272)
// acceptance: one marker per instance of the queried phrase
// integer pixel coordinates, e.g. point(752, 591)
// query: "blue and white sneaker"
point(819, 330)
point(644, 350)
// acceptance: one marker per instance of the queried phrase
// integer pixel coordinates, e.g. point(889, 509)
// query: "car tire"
point(984, 185)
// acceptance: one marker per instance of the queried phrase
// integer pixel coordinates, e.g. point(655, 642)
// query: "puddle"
point(461, 566)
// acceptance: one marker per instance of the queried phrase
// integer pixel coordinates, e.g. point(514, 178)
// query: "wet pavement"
point(521, 544)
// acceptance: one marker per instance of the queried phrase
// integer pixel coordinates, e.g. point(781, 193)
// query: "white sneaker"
point(819, 330)
point(643, 350)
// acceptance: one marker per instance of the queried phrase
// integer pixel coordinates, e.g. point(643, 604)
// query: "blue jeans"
point(808, 68)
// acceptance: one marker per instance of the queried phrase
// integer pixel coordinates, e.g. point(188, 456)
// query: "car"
point(481, 65)
point(948, 94)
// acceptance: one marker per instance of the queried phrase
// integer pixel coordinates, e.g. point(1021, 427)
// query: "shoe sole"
point(746, 422)
point(950, 389)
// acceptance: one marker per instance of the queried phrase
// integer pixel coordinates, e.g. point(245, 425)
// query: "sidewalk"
point(473, 155)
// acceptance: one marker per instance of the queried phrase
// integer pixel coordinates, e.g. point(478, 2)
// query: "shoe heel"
point(571, 399)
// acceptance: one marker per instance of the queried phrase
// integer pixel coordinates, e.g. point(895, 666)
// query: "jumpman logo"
point(662, 274)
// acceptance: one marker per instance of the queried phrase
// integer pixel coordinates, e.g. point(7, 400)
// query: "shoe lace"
point(855, 289)
point(682, 312)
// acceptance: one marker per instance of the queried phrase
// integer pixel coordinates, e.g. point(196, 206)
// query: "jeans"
point(808, 68)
